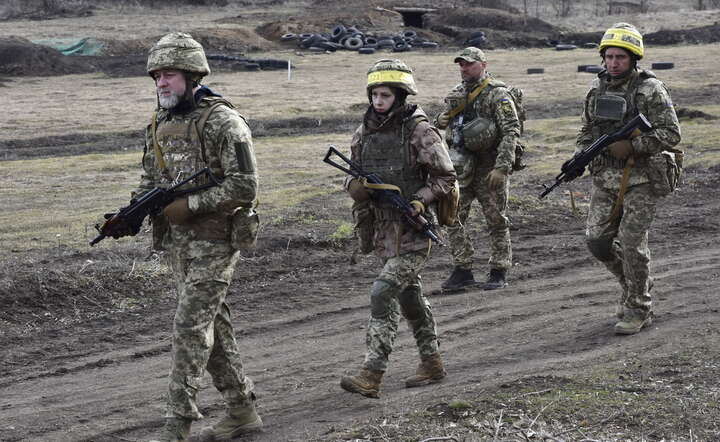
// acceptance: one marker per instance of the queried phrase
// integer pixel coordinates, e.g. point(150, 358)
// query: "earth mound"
point(21, 57)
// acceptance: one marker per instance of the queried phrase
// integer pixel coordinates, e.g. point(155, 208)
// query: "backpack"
point(517, 97)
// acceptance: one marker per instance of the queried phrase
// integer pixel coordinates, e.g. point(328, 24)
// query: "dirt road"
point(301, 308)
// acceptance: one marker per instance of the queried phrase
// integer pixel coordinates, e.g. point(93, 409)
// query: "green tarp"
point(73, 46)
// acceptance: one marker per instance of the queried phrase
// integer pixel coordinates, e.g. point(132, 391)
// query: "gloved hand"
point(496, 179)
point(443, 120)
point(418, 207)
point(621, 149)
point(357, 190)
point(121, 228)
point(178, 211)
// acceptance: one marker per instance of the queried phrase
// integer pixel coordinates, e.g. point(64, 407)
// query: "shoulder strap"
point(204, 117)
point(160, 161)
point(470, 98)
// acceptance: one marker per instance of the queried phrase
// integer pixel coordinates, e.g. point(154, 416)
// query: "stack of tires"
point(352, 39)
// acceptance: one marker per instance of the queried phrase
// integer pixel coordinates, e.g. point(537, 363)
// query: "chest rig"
point(179, 144)
point(611, 110)
point(387, 153)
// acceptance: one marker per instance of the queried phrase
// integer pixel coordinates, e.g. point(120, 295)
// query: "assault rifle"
point(151, 203)
point(575, 166)
point(417, 221)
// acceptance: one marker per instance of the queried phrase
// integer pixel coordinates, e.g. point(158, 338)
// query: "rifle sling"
point(470, 98)
point(158, 153)
point(621, 193)
point(383, 186)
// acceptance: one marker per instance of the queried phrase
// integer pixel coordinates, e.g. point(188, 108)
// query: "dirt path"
point(301, 314)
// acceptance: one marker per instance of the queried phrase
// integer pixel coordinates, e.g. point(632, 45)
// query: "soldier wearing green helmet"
point(631, 176)
point(397, 142)
point(202, 234)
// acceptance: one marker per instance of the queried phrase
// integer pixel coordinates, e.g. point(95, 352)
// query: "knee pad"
point(381, 298)
point(411, 303)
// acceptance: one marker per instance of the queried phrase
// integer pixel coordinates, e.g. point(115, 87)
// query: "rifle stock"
point(575, 167)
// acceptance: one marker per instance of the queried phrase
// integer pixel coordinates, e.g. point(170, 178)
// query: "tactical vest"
point(182, 147)
point(387, 154)
point(606, 125)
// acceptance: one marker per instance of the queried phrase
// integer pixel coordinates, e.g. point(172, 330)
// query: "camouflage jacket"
point(426, 152)
point(224, 144)
point(644, 94)
point(493, 103)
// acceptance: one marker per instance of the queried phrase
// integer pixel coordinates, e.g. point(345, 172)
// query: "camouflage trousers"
point(398, 289)
point(494, 206)
point(203, 335)
point(622, 245)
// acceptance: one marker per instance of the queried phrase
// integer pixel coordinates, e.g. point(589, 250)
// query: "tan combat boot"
point(367, 383)
point(633, 321)
point(237, 421)
point(429, 371)
point(176, 429)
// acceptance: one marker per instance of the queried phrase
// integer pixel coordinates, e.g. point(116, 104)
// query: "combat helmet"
point(393, 73)
point(623, 35)
point(178, 51)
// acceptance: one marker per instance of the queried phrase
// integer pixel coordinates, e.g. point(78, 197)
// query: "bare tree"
point(562, 7)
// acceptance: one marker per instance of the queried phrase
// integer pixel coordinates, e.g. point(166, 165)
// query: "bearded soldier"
point(482, 130)
point(631, 175)
point(396, 142)
point(195, 128)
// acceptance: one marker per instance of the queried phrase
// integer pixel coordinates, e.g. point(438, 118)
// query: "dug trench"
point(86, 335)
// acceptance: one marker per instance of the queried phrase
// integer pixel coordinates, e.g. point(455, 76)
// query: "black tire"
point(353, 43)
point(305, 35)
point(366, 51)
point(565, 47)
point(249, 66)
point(316, 49)
point(429, 45)
point(288, 37)
point(409, 34)
point(662, 65)
point(353, 29)
point(582, 67)
point(312, 41)
point(327, 45)
point(401, 46)
point(477, 42)
point(535, 71)
point(271, 63)
point(338, 31)
point(385, 43)
point(370, 41)
point(593, 69)
point(590, 45)
point(478, 34)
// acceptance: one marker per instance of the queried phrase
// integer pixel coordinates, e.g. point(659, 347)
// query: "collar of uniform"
point(622, 82)
point(470, 85)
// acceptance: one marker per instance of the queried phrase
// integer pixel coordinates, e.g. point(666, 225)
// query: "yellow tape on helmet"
point(379, 77)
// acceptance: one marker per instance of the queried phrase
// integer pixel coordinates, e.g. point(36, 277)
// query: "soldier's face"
point(170, 86)
point(382, 99)
point(617, 61)
point(470, 71)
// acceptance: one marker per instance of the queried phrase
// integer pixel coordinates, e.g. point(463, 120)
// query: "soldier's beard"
point(169, 101)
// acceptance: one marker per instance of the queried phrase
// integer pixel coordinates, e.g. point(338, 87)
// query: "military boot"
point(634, 320)
point(496, 280)
point(620, 307)
point(460, 278)
point(237, 421)
point(367, 383)
point(176, 429)
point(429, 371)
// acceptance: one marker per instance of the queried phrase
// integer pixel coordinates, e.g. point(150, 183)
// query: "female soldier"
point(396, 142)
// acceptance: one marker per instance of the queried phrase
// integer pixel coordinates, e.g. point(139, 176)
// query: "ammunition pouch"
point(665, 171)
point(480, 135)
point(364, 217)
point(244, 229)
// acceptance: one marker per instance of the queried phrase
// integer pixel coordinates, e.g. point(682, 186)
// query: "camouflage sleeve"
point(227, 133)
point(150, 175)
point(508, 125)
point(432, 155)
point(454, 96)
point(584, 137)
point(354, 153)
point(654, 101)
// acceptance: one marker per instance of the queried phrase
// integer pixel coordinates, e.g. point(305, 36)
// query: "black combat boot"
point(460, 278)
point(496, 280)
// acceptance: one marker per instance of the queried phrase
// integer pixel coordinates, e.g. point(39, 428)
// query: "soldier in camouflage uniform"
point(397, 142)
point(482, 133)
point(195, 128)
point(619, 238)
